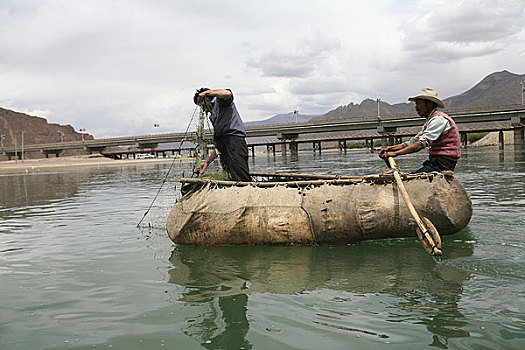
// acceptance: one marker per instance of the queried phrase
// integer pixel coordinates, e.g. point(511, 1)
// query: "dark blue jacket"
point(226, 119)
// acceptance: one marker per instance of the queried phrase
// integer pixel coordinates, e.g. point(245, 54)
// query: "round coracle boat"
point(286, 209)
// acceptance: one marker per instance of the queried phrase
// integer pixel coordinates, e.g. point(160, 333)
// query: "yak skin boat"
point(286, 209)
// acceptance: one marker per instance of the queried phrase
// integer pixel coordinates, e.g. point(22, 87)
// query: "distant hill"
point(497, 89)
point(289, 118)
point(365, 108)
point(36, 130)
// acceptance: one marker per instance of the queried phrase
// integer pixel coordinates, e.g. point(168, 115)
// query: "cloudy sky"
point(118, 67)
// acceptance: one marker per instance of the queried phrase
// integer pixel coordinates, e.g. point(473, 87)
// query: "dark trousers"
point(436, 163)
point(234, 157)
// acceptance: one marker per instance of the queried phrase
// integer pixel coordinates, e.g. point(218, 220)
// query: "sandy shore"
point(492, 139)
point(98, 161)
point(73, 162)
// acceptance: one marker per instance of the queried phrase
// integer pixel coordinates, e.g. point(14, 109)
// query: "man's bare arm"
point(219, 93)
point(415, 147)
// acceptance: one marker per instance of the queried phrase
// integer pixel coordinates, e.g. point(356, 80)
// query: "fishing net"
point(169, 191)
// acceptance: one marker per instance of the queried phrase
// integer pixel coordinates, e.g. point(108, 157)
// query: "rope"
point(312, 229)
point(169, 170)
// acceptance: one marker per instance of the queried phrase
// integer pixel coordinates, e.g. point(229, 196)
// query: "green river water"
point(77, 273)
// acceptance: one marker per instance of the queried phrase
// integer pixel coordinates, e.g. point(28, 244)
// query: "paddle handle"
point(409, 204)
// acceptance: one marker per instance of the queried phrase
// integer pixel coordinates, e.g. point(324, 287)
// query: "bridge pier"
point(294, 149)
point(92, 150)
point(253, 151)
point(518, 137)
point(283, 150)
point(464, 139)
point(270, 147)
point(341, 145)
point(48, 152)
point(11, 155)
point(501, 140)
point(369, 145)
point(317, 147)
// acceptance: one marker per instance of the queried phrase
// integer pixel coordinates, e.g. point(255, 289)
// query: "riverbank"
point(97, 160)
point(72, 162)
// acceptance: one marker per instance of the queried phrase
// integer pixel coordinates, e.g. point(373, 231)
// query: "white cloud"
point(118, 67)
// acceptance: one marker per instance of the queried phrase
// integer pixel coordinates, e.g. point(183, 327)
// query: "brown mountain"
point(497, 89)
point(35, 130)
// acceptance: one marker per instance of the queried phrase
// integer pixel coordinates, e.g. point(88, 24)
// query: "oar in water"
point(426, 231)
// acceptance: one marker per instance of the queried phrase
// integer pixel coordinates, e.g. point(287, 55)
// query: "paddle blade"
point(434, 236)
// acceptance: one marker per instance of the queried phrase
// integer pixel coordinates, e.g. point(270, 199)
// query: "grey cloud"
point(323, 103)
point(273, 64)
point(318, 85)
point(256, 91)
point(462, 29)
point(265, 107)
point(477, 21)
point(440, 52)
point(301, 60)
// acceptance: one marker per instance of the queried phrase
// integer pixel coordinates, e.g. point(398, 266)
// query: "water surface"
point(77, 273)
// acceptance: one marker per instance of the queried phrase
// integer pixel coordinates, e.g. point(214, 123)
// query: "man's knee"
point(436, 165)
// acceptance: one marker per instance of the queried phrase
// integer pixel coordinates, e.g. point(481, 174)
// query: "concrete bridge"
point(385, 128)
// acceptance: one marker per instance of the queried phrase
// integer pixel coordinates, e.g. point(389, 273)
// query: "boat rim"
point(263, 179)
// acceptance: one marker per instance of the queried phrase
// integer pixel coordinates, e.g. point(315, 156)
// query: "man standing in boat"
point(439, 132)
point(229, 134)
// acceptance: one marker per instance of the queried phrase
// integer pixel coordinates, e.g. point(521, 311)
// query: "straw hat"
point(430, 95)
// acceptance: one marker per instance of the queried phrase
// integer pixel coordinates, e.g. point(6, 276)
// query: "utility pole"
point(16, 150)
point(378, 115)
point(23, 131)
point(522, 89)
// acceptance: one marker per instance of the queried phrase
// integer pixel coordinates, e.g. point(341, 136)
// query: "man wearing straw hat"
point(439, 133)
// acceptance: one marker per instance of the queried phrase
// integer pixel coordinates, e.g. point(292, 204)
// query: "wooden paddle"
point(426, 231)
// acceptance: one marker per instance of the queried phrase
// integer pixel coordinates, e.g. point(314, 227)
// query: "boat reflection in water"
point(223, 278)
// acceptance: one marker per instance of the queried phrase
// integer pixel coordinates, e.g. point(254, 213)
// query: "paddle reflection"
point(223, 278)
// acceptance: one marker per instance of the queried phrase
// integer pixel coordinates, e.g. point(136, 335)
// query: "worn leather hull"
point(329, 213)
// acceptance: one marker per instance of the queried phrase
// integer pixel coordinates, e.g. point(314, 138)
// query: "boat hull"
point(327, 213)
